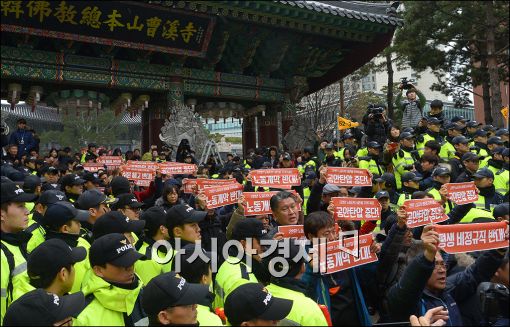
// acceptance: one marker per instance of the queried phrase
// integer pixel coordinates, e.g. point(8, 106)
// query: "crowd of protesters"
point(77, 246)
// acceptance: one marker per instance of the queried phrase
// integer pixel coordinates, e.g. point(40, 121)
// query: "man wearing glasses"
point(128, 205)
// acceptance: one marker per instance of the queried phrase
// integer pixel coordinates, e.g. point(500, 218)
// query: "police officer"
point(129, 206)
point(62, 222)
point(46, 199)
point(155, 230)
point(50, 176)
point(111, 285)
point(234, 271)
point(441, 176)
point(492, 144)
point(479, 146)
point(472, 127)
point(372, 161)
point(52, 266)
point(90, 155)
point(252, 304)
point(410, 185)
point(310, 161)
point(285, 283)
point(432, 133)
point(29, 166)
point(330, 159)
point(470, 164)
point(488, 198)
point(403, 160)
point(170, 299)
point(97, 204)
point(503, 133)
point(309, 180)
point(40, 308)
point(117, 222)
point(461, 147)
point(72, 186)
point(194, 264)
point(499, 167)
point(447, 149)
point(14, 280)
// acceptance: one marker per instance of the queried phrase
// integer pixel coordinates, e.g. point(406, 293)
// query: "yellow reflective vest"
point(475, 213)
point(448, 205)
point(13, 277)
point(148, 269)
point(231, 274)
point(304, 312)
point(400, 160)
point(207, 318)
point(109, 304)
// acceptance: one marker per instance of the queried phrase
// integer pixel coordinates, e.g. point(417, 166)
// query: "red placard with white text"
point(257, 203)
point(421, 212)
point(462, 193)
point(292, 231)
point(204, 183)
point(345, 254)
point(356, 208)
point(343, 176)
point(141, 177)
point(111, 162)
point(148, 165)
point(92, 166)
point(223, 195)
point(177, 168)
point(461, 238)
point(283, 178)
point(189, 185)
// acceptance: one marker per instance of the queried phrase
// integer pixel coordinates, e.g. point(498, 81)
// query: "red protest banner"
point(189, 185)
point(149, 165)
point(462, 193)
point(203, 183)
point(292, 231)
point(345, 254)
point(111, 162)
point(421, 212)
point(223, 195)
point(356, 209)
point(343, 176)
point(278, 178)
point(92, 166)
point(177, 168)
point(257, 203)
point(141, 177)
point(461, 238)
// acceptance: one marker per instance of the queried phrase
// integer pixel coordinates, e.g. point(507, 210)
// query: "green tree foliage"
point(451, 38)
point(82, 128)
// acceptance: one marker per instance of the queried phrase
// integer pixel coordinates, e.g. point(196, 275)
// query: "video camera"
point(493, 301)
point(375, 110)
point(406, 84)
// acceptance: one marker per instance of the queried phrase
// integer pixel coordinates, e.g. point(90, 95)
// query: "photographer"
point(183, 150)
point(377, 126)
point(412, 107)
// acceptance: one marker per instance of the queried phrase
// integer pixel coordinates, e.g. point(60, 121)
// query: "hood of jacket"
point(111, 297)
